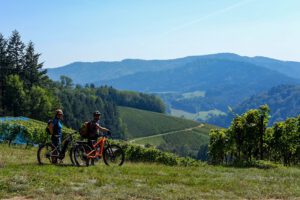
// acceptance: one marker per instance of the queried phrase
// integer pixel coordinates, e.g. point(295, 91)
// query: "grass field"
point(142, 123)
point(181, 136)
point(20, 176)
point(193, 137)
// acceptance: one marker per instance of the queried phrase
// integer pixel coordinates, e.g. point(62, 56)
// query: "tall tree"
point(3, 67)
point(15, 96)
point(66, 82)
point(41, 104)
point(32, 73)
point(15, 50)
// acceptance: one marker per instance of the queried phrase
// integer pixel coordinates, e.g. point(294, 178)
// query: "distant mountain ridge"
point(194, 84)
point(96, 71)
point(225, 83)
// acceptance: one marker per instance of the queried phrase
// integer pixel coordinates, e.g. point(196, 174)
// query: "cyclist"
point(56, 137)
point(94, 128)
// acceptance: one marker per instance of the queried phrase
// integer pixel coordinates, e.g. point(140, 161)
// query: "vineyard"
point(28, 131)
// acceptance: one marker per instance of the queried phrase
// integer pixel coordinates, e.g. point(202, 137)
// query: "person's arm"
point(102, 129)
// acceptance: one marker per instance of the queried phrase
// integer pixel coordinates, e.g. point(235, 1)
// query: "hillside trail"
point(166, 133)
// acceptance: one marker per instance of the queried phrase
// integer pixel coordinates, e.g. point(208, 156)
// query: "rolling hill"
point(283, 100)
point(93, 72)
point(181, 136)
point(96, 71)
point(141, 123)
point(224, 83)
point(199, 87)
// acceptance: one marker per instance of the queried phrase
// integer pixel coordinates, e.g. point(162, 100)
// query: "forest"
point(26, 90)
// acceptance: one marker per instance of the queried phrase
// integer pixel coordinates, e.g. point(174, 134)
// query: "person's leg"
point(55, 142)
point(90, 142)
point(59, 142)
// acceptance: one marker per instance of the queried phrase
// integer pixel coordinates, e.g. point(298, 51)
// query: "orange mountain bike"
point(89, 154)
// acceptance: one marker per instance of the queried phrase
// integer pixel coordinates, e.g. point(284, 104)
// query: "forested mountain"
point(283, 100)
point(198, 87)
point(96, 71)
point(223, 82)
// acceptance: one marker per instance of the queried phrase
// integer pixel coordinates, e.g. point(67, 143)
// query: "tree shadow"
point(256, 164)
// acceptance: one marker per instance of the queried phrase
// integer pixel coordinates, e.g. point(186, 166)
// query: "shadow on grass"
point(253, 164)
point(57, 165)
point(22, 165)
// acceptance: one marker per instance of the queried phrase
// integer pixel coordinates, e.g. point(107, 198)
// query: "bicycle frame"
point(63, 146)
point(98, 153)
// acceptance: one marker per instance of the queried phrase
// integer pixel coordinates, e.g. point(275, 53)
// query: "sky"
point(65, 31)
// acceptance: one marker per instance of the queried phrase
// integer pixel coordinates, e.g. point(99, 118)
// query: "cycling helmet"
point(97, 113)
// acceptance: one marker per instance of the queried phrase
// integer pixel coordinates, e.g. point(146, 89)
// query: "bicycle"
point(85, 154)
point(49, 153)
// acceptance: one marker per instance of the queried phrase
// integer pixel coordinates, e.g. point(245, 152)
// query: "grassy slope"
point(21, 176)
point(142, 123)
point(146, 127)
point(193, 138)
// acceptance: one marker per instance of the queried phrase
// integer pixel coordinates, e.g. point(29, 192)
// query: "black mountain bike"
point(48, 153)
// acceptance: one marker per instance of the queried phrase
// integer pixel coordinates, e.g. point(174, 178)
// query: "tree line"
point(26, 90)
point(249, 139)
point(283, 100)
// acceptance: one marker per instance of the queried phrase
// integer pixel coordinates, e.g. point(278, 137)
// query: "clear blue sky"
point(65, 31)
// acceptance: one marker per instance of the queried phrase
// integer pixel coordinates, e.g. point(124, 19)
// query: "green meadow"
point(22, 177)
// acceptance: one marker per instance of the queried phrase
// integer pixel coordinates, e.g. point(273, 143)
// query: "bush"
point(136, 153)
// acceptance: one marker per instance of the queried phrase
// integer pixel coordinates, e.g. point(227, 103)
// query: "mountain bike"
point(86, 154)
point(48, 153)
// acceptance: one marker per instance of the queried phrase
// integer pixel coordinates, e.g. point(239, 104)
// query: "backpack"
point(84, 130)
point(49, 128)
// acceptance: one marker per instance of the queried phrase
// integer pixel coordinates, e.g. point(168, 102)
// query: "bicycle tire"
point(71, 155)
point(47, 154)
point(113, 155)
point(80, 155)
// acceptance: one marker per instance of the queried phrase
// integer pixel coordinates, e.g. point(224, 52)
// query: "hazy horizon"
point(120, 60)
point(89, 31)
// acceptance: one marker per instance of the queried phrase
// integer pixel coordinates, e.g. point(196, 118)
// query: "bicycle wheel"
point(80, 154)
point(94, 161)
point(113, 155)
point(71, 156)
point(44, 154)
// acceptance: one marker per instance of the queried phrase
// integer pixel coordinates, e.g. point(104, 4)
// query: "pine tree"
point(3, 66)
point(32, 73)
point(15, 50)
